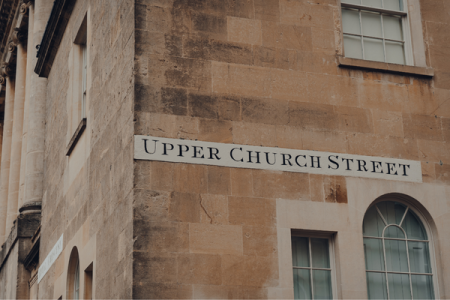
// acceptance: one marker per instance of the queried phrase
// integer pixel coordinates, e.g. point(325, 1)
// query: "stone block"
point(215, 131)
point(288, 85)
point(203, 106)
point(323, 40)
point(266, 111)
point(325, 141)
point(150, 205)
point(403, 148)
point(387, 123)
point(286, 36)
point(367, 144)
point(257, 271)
point(214, 209)
point(245, 31)
point(241, 181)
point(161, 176)
point(442, 96)
point(208, 25)
point(255, 134)
point(353, 119)
point(240, 8)
point(442, 173)
point(271, 57)
point(229, 292)
point(154, 268)
point(441, 79)
point(417, 93)
point(160, 237)
point(173, 101)
point(184, 207)
point(199, 269)
point(303, 13)
point(376, 95)
point(190, 178)
point(219, 180)
point(335, 189)
point(260, 241)
point(434, 151)
point(310, 115)
point(229, 108)
point(316, 187)
point(159, 18)
point(317, 62)
point(428, 172)
point(251, 211)
point(422, 127)
point(215, 239)
point(149, 290)
point(267, 10)
point(286, 185)
point(184, 72)
point(289, 137)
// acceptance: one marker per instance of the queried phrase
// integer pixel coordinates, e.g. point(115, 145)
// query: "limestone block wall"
point(87, 196)
point(265, 72)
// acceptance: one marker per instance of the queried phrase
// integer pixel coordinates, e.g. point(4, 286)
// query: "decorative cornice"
point(6, 70)
point(8, 9)
point(56, 25)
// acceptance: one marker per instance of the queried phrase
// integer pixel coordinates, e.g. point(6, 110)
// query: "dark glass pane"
point(419, 257)
point(396, 257)
point(373, 249)
point(394, 232)
point(373, 224)
point(322, 284)
point(392, 211)
point(302, 284)
point(399, 287)
point(319, 252)
point(300, 252)
point(422, 286)
point(413, 227)
point(376, 285)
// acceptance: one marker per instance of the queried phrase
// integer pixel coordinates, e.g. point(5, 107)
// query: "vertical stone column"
point(36, 131)
point(16, 146)
point(6, 155)
point(25, 8)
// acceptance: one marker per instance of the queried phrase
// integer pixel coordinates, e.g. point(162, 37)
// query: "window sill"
point(386, 67)
point(76, 136)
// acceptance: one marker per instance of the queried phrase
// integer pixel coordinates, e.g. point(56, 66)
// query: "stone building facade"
point(88, 211)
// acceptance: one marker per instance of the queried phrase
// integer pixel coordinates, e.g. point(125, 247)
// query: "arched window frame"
point(417, 210)
point(73, 276)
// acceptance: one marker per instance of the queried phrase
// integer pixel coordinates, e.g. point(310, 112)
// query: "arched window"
point(397, 253)
point(73, 276)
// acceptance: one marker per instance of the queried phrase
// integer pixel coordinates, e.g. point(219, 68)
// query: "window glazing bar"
point(377, 9)
point(394, 272)
point(395, 239)
point(373, 37)
point(307, 268)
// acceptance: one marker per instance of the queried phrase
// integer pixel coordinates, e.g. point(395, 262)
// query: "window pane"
point(399, 286)
point(373, 49)
point(396, 258)
point(319, 252)
point(373, 249)
point(422, 286)
point(371, 24)
point(413, 227)
point(302, 284)
point(394, 232)
point(376, 285)
point(352, 46)
point(419, 257)
point(373, 225)
point(300, 252)
point(350, 21)
point(373, 3)
point(395, 53)
point(393, 28)
point(393, 4)
point(322, 284)
point(392, 211)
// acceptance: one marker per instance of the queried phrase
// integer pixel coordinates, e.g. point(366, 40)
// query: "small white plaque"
point(277, 159)
point(50, 259)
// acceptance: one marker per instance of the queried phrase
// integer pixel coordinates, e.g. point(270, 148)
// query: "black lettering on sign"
point(180, 147)
point(333, 162)
point(198, 152)
point(318, 162)
point(377, 165)
point(145, 146)
point(213, 152)
point(362, 164)
point(348, 160)
point(232, 157)
point(404, 168)
point(286, 159)
point(391, 167)
point(250, 156)
point(165, 148)
point(274, 158)
point(296, 160)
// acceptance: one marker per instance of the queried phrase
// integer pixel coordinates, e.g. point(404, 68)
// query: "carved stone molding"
point(19, 36)
point(6, 71)
point(2, 80)
point(23, 10)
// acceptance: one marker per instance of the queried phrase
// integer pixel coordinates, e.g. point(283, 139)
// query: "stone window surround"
point(419, 66)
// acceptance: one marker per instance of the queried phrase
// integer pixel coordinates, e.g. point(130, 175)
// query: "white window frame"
point(331, 252)
point(430, 240)
point(405, 15)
